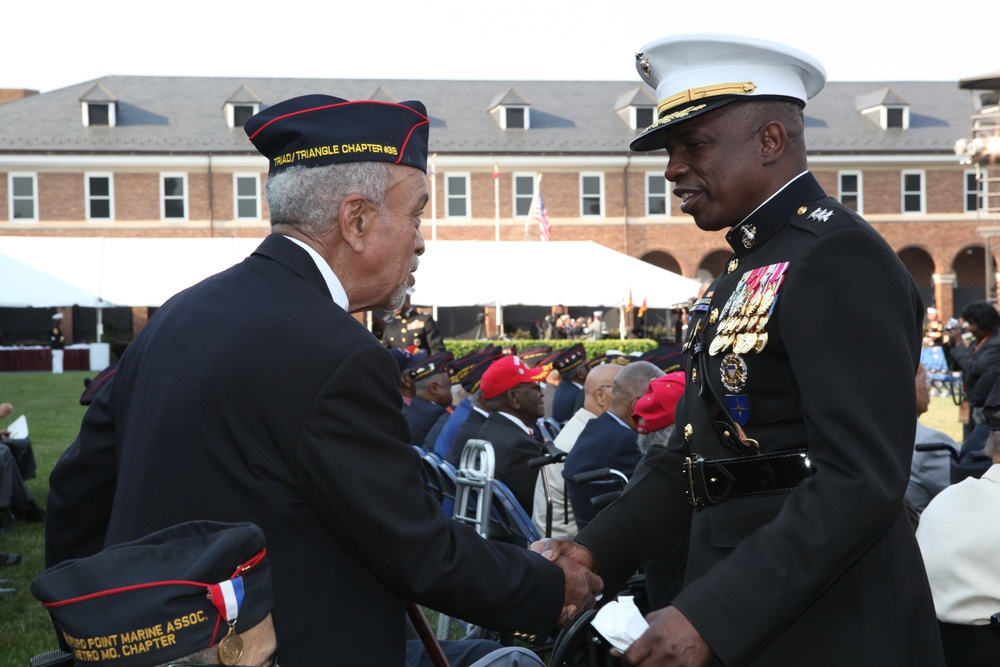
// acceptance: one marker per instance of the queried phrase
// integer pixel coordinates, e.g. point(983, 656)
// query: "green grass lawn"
point(51, 405)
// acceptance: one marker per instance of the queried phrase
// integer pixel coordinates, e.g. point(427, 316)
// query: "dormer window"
point(242, 113)
point(643, 117)
point(511, 110)
point(97, 114)
point(637, 107)
point(885, 108)
point(515, 118)
point(240, 106)
point(99, 108)
point(238, 114)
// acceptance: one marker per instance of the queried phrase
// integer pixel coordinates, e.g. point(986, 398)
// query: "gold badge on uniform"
point(734, 373)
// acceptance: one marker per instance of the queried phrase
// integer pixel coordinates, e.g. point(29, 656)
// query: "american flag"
point(539, 213)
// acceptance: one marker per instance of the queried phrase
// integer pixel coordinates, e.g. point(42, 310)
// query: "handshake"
point(583, 587)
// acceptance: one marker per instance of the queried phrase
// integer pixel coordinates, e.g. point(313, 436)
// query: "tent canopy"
point(100, 272)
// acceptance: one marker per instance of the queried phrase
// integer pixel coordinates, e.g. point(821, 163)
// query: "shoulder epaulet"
point(823, 216)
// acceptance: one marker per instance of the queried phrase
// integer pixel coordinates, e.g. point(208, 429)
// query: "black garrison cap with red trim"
point(319, 130)
point(161, 597)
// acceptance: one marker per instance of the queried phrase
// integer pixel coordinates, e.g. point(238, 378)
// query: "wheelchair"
point(972, 464)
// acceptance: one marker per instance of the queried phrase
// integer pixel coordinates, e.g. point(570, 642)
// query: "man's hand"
point(577, 562)
point(671, 640)
point(5, 409)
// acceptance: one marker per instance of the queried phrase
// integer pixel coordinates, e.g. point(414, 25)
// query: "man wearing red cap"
point(513, 397)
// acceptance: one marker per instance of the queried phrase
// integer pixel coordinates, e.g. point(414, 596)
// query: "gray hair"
point(308, 198)
point(992, 446)
point(656, 438)
point(754, 114)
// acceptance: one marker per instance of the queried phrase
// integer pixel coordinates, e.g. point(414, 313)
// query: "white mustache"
point(414, 264)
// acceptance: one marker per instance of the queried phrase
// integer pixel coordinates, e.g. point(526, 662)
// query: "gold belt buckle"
point(689, 464)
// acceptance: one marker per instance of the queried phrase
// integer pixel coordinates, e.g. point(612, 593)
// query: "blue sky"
point(58, 42)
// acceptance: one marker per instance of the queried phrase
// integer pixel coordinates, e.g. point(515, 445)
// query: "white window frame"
point(515, 197)
point(88, 197)
point(11, 198)
point(860, 192)
point(112, 113)
point(978, 192)
point(237, 198)
point(600, 195)
point(163, 197)
point(904, 192)
point(231, 111)
point(448, 196)
point(527, 116)
point(658, 175)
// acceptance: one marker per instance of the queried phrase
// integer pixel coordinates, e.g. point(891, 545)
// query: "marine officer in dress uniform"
point(413, 331)
point(791, 455)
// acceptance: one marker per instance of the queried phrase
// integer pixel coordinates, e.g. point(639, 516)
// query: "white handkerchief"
point(18, 429)
point(620, 622)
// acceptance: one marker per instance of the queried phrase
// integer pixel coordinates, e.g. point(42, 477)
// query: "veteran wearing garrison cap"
point(255, 395)
point(791, 451)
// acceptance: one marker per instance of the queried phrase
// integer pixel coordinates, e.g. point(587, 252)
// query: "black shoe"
point(9, 558)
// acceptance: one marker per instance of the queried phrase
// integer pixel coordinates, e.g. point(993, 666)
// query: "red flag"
point(629, 305)
point(539, 213)
point(496, 170)
point(642, 308)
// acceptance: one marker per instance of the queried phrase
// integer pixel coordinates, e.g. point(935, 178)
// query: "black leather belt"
point(710, 481)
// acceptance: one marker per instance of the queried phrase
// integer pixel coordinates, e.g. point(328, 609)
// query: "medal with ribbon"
point(227, 597)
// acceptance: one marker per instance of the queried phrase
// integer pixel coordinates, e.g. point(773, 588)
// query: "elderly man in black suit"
point(609, 441)
point(255, 395)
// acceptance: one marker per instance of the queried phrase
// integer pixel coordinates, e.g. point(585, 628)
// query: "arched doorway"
point(920, 264)
point(969, 267)
point(662, 259)
point(713, 264)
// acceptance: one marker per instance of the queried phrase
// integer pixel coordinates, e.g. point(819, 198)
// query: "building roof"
point(186, 115)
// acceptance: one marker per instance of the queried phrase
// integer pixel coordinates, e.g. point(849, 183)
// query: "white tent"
point(535, 273)
point(102, 272)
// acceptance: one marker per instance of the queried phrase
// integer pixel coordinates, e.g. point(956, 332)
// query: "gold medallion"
point(761, 342)
point(762, 321)
point(752, 323)
point(744, 343)
point(230, 648)
point(765, 303)
point(755, 302)
point(716, 346)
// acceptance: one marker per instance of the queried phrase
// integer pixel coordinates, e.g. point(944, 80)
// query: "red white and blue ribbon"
point(227, 596)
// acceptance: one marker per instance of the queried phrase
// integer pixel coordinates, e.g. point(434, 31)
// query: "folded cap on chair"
point(162, 597)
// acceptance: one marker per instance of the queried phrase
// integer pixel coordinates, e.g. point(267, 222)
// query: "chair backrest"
point(509, 521)
point(474, 485)
point(933, 359)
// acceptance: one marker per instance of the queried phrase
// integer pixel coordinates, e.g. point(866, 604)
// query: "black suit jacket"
point(513, 449)
point(469, 429)
point(252, 396)
point(603, 443)
point(421, 415)
point(829, 572)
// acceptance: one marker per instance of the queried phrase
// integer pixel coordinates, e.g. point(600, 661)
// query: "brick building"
point(167, 157)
